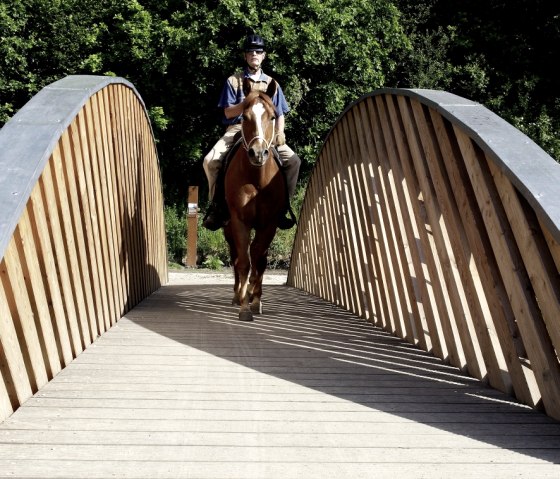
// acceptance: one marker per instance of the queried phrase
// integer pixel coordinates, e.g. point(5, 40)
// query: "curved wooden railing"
point(82, 238)
point(439, 222)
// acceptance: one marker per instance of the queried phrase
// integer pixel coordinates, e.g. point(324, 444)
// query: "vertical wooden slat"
point(553, 245)
point(314, 263)
point(78, 134)
point(311, 239)
point(22, 313)
point(122, 195)
point(498, 302)
point(146, 259)
point(317, 231)
point(453, 282)
point(392, 310)
point(150, 229)
point(57, 239)
point(129, 179)
point(346, 280)
point(361, 198)
point(106, 174)
point(90, 157)
point(417, 285)
point(73, 178)
point(14, 372)
point(6, 407)
point(435, 299)
point(478, 322)
point(403, 237)
point(345, 207)
point(536, 256)
point(357, 237)
point(101, 203)
point(139, 201)
point(62, 201)
point(328, 232)
point(393, 223)
point(341, 294)
point(442, 330)
point(372, 225)
point(23, 237)
point(543, 358)
point(47, 262)
point(111, 100)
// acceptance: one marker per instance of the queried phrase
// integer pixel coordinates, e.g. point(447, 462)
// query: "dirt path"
point(224, 276)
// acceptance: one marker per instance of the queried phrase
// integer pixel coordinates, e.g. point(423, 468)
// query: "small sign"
point(193, 208)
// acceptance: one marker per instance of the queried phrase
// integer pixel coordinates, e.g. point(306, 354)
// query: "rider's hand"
point(280, 139)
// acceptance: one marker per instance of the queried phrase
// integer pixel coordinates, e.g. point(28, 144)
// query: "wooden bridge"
point(417, 335)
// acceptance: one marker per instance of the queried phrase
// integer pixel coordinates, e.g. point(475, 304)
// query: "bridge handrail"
point(435, 219)
point(82, 238)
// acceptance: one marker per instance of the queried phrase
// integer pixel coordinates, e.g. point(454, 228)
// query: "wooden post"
point(192, 226)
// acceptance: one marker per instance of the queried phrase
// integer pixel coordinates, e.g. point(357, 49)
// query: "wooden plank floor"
point(180, 389)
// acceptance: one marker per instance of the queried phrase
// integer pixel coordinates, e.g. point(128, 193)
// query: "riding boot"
point(287, 219)
point(217, 215)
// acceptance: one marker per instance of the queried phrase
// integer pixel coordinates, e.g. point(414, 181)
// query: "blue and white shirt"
point(232, 93)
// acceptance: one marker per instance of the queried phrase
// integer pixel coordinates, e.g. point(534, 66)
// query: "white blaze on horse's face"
point(258, 111)
point(258, 146)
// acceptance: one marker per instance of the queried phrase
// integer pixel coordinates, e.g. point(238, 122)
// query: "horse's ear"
point(246, 86)
point(271, 90)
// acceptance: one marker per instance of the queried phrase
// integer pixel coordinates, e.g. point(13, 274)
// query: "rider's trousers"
point(213, 161)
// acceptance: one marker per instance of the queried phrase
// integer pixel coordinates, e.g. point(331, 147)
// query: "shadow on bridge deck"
point(180, 388)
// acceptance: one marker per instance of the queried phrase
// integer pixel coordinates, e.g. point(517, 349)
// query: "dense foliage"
point(499, 53)
point(325, 54)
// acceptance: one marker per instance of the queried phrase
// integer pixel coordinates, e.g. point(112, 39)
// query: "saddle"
point(237, 141)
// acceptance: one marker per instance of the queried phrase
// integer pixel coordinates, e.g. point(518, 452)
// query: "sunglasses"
point(258, 52)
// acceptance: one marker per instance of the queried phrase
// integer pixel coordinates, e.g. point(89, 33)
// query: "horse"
point(256, 195)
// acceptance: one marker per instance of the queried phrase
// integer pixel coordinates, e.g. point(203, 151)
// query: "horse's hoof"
point(256, 308)
point(245, 316)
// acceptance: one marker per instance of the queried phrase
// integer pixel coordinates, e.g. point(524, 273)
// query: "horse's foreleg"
point(256, 285)
point(233, 257)
point(236, 300)
point(242, 265)
point(259, 258)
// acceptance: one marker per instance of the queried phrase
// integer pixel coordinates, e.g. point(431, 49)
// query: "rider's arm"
point(231, 100)
point(233, 110)
point(280, 124)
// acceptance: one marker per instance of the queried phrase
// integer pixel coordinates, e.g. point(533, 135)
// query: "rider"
point(231, 101)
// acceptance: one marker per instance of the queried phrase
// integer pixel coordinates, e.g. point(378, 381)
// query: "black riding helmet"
point(252, 43)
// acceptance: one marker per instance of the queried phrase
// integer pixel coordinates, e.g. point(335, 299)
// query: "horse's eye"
point(245, 117)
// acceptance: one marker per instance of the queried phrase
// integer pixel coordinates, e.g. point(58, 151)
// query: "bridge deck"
point(180, 389)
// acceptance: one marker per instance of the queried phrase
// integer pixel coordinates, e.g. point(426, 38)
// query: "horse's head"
point(259, 124)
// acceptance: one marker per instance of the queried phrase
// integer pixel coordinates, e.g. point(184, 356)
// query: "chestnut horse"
point(256, 196)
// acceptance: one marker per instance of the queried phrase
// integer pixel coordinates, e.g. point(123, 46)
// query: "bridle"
point(247, 144)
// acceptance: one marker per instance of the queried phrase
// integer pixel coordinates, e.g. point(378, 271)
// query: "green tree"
point(321, 52)
point(325, 54)
point(480, 51)
point(178, 54)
